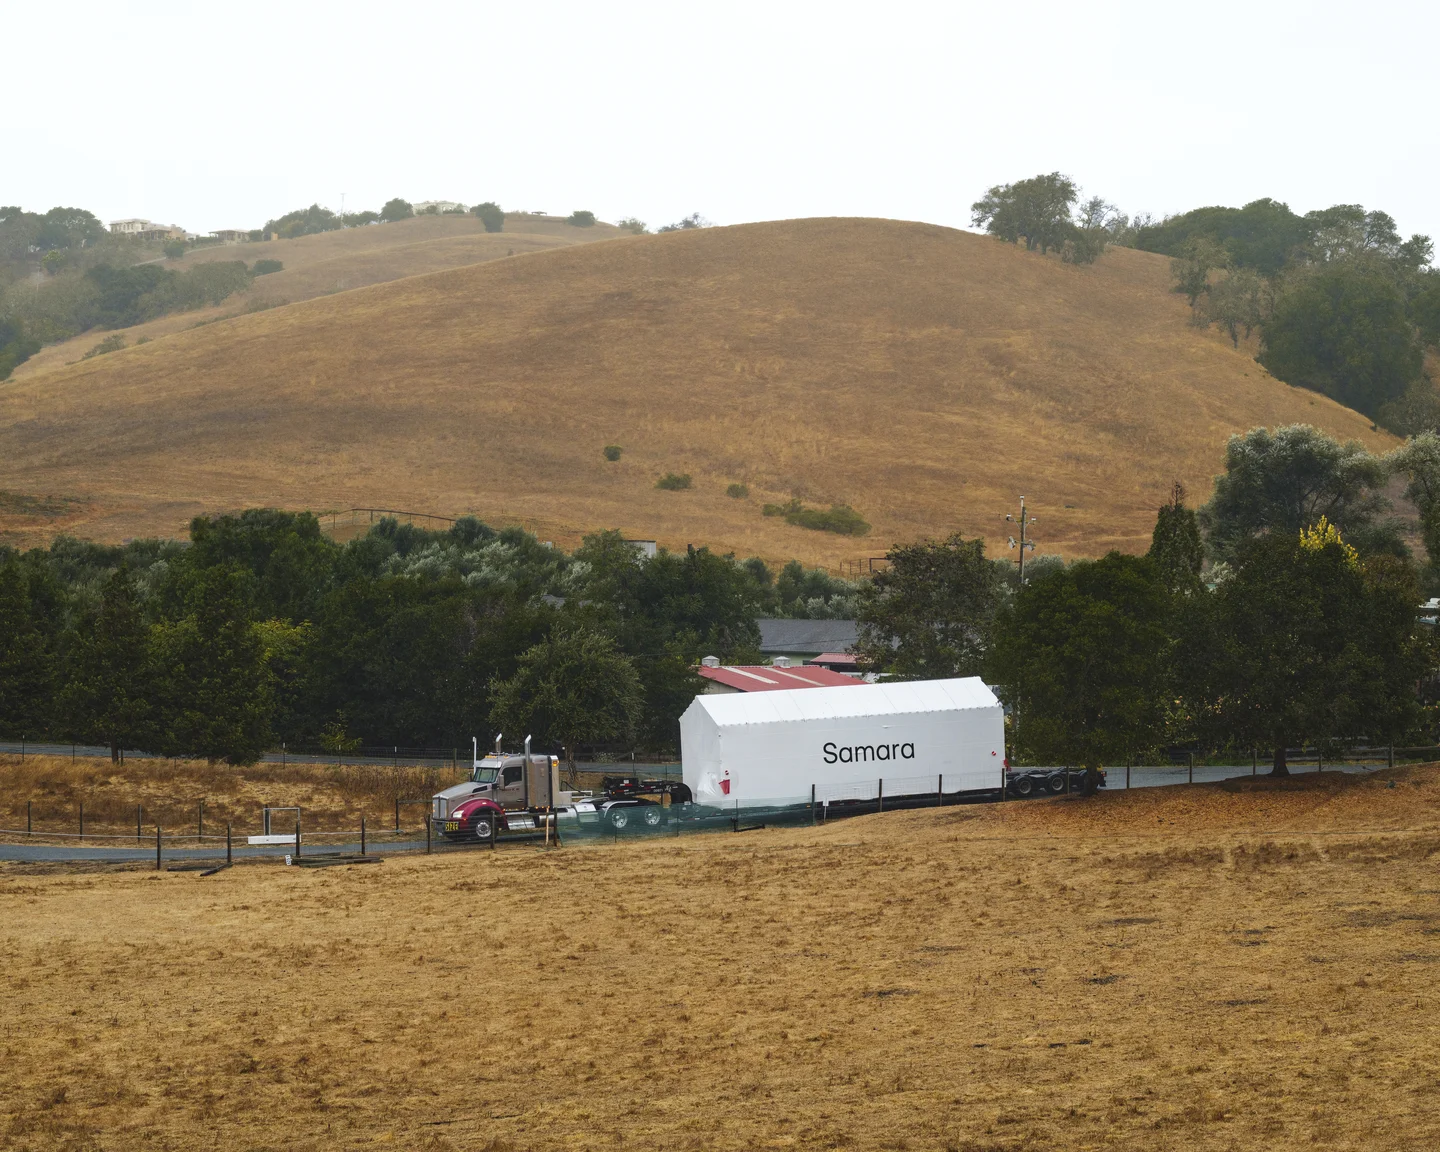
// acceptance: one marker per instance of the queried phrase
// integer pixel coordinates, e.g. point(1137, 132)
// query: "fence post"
point(427, 833)
point(1127, 776)
point(28, 826)
point(82, 819)
point(1191, 780)
point(157, 847)
point(227, 842)
point(282, 754)
point(940, 791)
point(200, 822)
point(880, 793)
point(22, 749)
point(1319, 763)
point(362, 835)
point(494, 830)
point(139, 812)
point(1254, 759)
point(397, 813)
point(812, 805)
point(1390, 760)
point(297, 837)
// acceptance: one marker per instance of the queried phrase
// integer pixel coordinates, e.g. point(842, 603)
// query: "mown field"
point(926, 376)
point(1181, 968)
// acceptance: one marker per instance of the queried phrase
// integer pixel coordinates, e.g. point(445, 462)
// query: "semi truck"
point(503, 791)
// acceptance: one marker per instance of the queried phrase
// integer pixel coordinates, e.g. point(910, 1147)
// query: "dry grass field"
point(924, 375)
point(1182, 968)
point(337, 261)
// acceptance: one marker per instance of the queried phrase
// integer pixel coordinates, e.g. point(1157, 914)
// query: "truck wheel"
point(1024, 786)
point(1056, 784)
point(651, 816)
point(619, 818)
point(481, 828)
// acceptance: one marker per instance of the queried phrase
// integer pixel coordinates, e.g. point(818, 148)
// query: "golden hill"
point(332, 262)
point(925, 376)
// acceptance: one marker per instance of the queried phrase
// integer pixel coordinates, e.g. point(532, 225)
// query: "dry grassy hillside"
point(336, 261)
point(924, 375)
point(1131, 972)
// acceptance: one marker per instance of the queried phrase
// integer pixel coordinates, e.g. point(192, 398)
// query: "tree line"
point(261, 629)
point(1282, 613)
point(1342, 302)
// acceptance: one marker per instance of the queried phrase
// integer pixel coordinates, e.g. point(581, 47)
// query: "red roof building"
point(769, 677)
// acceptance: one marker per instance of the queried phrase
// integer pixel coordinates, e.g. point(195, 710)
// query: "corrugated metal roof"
point(765, 678)
point(778, 635)
point(857, 699)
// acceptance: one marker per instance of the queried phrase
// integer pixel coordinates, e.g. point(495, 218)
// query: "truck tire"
point(481, 828)
point(651, 816)
point(1056, 784)
point(619, 819)
point(1024, 785)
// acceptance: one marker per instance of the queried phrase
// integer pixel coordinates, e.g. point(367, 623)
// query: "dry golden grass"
point(924, 375)
point(1061, 975)
point(336, 261)
point(333, 796)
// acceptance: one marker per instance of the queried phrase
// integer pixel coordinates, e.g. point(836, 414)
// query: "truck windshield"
point(483, 775)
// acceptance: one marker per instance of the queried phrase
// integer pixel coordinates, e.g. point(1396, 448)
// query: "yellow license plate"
point(452, 826)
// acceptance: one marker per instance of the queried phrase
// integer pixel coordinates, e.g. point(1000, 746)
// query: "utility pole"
point(1023, 543)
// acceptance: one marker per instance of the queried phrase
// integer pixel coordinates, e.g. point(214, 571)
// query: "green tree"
point(581, 219)
point(215, 685)
point(1235, 302)
point(929, 615)
point(490, 215)
point(1282, 481)
point(1035, 210)
point(688, 223)
point(15, 346)
point(1305, 644)
point(302, 222)
point(111, 682)
point(1418, 461)
point(1082, 657)
point(396, 209)
point(173, 249)
point(574, 687)
point(1175, 545)
point(1344, 330)
point(1425, 309)
point(632, 224)
point(29, 633)
point(1191, 267)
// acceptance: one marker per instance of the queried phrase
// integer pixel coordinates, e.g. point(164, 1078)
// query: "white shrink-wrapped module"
point(768, 748)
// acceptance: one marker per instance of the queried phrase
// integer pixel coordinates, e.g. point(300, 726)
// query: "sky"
point(225, 115)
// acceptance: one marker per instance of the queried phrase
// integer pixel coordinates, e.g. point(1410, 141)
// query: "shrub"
point(612, 452)
point(632, 224)
point(265, 267)
point(840, 518)
point(490, 215)
point(173, 249)
point(581, 219)
point(111, 343)
point(737, 491)
point(672, 482)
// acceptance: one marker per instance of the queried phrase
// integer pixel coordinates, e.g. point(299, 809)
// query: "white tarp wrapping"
point(769, 748)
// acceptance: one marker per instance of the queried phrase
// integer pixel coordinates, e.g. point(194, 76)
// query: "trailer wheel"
point(651, 816)
point(1024, 786)
point(1056, 784)
point(619, 818)
point(481, 828)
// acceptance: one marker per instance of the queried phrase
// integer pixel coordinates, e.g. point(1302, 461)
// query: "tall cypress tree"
point(1175, 545)
point(108, 698)
point(27, 652)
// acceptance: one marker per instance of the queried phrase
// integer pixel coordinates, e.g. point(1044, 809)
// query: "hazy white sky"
point(225, 114)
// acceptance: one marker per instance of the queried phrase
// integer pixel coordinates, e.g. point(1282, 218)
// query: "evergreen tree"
point(929, 615)
point(1175, 544)
point(1305, 644)
point(1082, 656)
point(29, 627)
point(108, 697)
point(215, 682)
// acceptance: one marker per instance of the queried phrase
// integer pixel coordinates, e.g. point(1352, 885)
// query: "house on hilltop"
point(147, 229)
